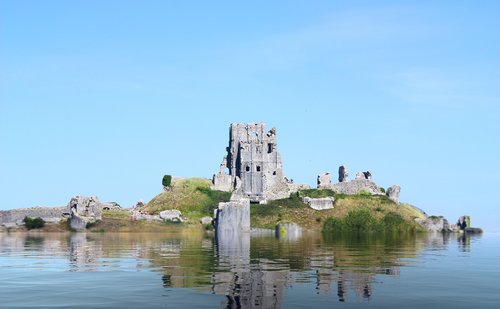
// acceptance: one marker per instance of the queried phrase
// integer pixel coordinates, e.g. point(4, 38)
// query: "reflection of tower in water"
point(243, 285)
point(83, 253)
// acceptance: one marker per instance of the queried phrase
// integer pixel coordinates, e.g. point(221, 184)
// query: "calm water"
point(186, 269)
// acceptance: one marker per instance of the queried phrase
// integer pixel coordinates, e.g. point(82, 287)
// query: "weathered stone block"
point(233, 217)
point(206, 220)
point(319, 203)
point(77, 223)
point(393, 193)
point(324, 180)
point(172, 215)
point(147, 217)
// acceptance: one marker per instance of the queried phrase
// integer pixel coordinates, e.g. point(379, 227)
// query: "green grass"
point(385, 213)
point(362, 221)
point(192, 196)
point(317, 193)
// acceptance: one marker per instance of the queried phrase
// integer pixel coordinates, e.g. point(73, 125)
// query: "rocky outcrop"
point(393, 193)
point(84, 210)
point(319, 203)
point(435, 224)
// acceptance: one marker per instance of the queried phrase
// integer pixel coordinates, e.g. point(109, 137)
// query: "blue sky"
point(105, 97)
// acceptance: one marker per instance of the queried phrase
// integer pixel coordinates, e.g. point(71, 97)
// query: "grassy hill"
point(379, 208)
point(192, 196)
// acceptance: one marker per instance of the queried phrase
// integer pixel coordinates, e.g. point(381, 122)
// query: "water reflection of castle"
point(262, 283)
point(257, 278)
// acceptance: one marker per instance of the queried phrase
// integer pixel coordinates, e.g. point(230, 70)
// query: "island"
point(249, 193)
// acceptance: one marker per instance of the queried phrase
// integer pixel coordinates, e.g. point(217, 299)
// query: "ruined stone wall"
point(14, 217)
point(356, 186)
point(253, 163)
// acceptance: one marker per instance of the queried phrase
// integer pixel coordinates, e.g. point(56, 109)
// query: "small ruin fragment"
point(362, 183)
point(324, 180)
point(343, 174)
point(364, 175)
point(393, 193)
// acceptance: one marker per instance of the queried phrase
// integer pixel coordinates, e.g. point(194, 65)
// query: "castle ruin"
point(252, 168)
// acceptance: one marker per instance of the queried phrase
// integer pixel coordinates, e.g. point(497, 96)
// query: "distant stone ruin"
point(80, 210)
point(252, 168)
point(84, 210)
point(362, 183)
point(324, 180)
point(343, 174)
point(14, 217)
point(364, 175)
point(393, 193)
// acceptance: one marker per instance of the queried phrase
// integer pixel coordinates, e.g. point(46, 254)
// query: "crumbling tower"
point(252, 167)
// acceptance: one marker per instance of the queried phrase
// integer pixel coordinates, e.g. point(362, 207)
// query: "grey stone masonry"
point(324, 180)
point(233, 217)
point(14, 217)
point(356, 186)
point(252, 167)
point(319, 203)
point(84, 209)
point(393, 193)
point(343, 174)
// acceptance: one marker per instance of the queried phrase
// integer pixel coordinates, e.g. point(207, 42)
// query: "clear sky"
point(105, 97)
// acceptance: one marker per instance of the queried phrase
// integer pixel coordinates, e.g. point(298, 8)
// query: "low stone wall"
point(14, 217)
point(355, 186)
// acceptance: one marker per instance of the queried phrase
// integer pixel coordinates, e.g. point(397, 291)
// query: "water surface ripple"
point(191, 269)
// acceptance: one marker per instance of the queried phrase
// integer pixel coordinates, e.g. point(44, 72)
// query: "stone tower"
point(252, 167)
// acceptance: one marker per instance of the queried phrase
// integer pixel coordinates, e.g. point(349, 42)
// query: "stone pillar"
point(233, 217)
point(343, 174)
